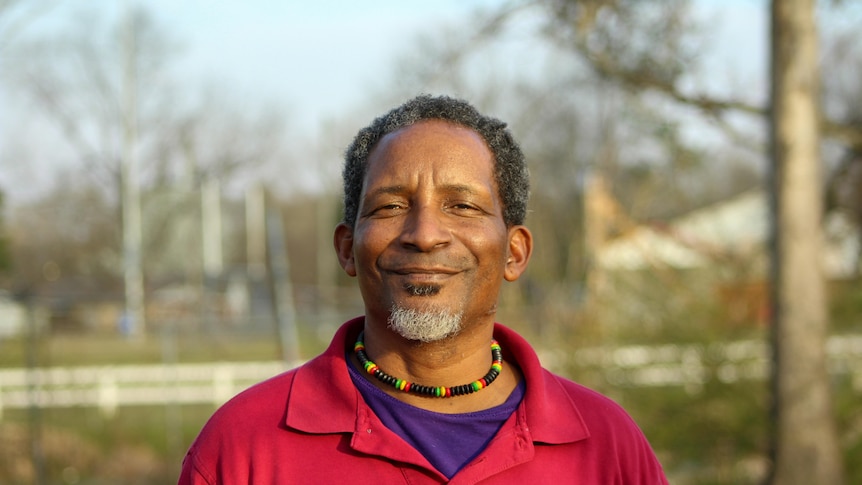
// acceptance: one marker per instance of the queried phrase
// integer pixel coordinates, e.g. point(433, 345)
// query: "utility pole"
point(255, 222)
point(211, 221)
point(211, 250)
point(133, 322)
point(281, 288)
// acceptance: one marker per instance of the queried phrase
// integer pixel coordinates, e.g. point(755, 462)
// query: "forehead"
point(431, 146)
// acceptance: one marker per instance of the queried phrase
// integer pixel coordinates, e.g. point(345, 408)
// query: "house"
point(713, 255)
point(13, 316)
point(732, 229)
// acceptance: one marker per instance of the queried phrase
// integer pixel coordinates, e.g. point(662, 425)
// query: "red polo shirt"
point(311, 426)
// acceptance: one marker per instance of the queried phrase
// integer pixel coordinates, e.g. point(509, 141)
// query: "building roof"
point(737, 227)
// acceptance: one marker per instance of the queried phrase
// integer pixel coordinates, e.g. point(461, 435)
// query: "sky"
point(316, 57)
point(312, 58)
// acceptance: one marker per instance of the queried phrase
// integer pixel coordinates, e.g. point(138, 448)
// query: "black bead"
point(461, 390)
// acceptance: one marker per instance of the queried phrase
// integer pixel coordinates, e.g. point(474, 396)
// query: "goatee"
point(424, 325)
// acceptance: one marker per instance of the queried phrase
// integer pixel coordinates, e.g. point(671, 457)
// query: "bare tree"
point(75, 249)
point(5, 257)
point(842, 99)
point(17, 15)
point(112, 99)
point(805, 440)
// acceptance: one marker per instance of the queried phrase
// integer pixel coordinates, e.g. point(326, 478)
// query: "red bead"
point(373, 369)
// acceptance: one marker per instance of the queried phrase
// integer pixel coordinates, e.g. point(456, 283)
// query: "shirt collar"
point(323, 398)
point(547, 409)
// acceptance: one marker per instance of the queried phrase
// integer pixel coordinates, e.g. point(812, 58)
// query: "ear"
point(520, 249)
point(343, 240)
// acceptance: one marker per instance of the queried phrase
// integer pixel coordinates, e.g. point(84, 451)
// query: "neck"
point(450, 362)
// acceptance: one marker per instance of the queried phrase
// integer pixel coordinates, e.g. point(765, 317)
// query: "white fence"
point(695, 364)
point(108, 387)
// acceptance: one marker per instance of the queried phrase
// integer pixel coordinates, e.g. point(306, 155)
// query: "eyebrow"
point(464, 189)
point(388, 190)
point(398, 189)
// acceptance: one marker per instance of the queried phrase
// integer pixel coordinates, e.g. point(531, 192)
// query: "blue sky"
point(316, 57)
point(313, 56)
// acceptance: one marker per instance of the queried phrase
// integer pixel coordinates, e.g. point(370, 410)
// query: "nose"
point(424, 229)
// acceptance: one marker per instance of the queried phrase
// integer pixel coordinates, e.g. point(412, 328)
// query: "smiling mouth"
point(422, 277)
point(424, 271)
point(420, 280)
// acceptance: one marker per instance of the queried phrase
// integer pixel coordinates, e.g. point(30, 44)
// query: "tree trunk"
point(805, 443)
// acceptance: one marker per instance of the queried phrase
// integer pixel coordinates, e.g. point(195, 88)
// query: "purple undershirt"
point(448, 441)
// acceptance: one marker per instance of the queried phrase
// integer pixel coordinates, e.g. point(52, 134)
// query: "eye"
point(465, 208)
point(390, 209)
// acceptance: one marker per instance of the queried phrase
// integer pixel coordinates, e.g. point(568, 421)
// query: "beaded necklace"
point(441, 391)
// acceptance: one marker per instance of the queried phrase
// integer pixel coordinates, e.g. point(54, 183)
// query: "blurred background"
point(170, 180)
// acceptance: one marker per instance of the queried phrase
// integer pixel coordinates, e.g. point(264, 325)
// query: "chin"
point(424, 324)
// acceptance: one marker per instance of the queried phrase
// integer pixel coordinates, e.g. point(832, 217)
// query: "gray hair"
point(510, 170)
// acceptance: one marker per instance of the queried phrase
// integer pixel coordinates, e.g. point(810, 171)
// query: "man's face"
point(429, 234)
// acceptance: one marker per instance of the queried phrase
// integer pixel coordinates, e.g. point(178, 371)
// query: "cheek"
point(369, 244)
point(364, 259)
point(491, 255)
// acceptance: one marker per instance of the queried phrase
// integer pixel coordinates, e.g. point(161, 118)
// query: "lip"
point(408, 271)
point(421, 275)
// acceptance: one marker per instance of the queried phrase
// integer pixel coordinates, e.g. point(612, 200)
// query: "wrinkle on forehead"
point(440, 152)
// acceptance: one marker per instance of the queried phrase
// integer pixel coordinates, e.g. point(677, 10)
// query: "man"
point(425, 387)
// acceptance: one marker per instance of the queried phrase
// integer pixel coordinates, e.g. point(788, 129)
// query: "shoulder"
point(613, 434)
point(261, 403)
point(598, 410)
point(229, 434)
point(581, 394)
point(264, 396)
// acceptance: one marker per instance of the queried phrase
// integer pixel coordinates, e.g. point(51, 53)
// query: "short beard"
point(426, 325)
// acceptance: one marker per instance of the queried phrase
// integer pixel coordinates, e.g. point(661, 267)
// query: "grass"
point(108, 349)
point(75, 350)
point(142, 445)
